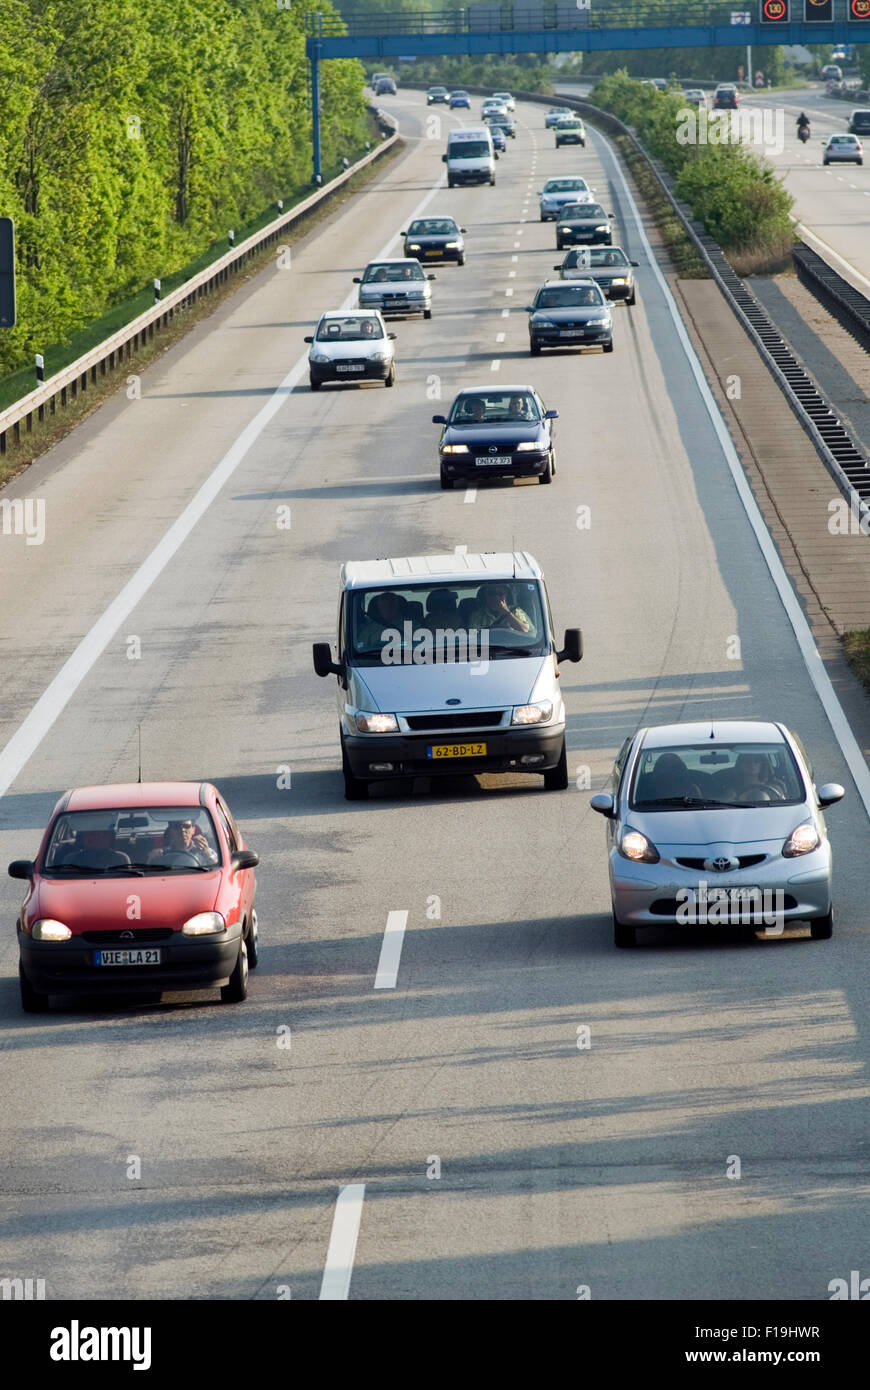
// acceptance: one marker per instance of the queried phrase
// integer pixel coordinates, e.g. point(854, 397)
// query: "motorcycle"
point(803, 133)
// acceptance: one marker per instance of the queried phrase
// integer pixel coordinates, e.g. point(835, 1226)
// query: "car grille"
point(667, 907)
point(475, 719)
point(123, 938)
point(745, 861)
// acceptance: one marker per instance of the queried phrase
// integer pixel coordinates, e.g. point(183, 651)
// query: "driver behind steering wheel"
point(493, 610)
point(185, 836)
point(752, 779)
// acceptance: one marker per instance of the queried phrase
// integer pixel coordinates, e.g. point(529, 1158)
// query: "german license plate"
point(433, 253)
point(456, 750)
point(494, 460)
point(571, 333)
point(350, 367)
point(143, 955)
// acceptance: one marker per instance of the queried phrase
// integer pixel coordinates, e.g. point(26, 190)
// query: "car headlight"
point(47, 929)
point(450, 245)
point(542, 323)
point(204, 924)
point(319, 357)
point(454, 449)
point(597, 323)
point(801, 841)
point(379, 357)
point(377, 723)
point(618, 280)
point(528, 445)
point(533, 714)
point(604, 228)
point(413, 246)
point(635, 846)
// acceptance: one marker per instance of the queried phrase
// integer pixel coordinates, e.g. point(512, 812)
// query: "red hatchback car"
point(136, 888)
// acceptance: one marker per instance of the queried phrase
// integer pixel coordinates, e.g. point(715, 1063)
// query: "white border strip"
point(342, 1242)
point(815, 667)
point(391, 949)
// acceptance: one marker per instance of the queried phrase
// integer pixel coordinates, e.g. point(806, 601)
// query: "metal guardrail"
point(849, 306)
point(120, 346)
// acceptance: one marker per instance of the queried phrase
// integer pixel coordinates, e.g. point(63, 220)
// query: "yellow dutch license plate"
point(456, 750)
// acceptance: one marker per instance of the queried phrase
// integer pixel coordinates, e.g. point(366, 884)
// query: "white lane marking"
point(499, 337)
point(812, 236)
point(54, 699)
point(514, 258)
point(495, 364)
point(516, 248)
point(391, 950)
point(519, 231)
point(511, 274)
point(505, 313)
point(815, 667)
point(460, 550)
point(470, 494)
point(342, 1241)
point(509, 291)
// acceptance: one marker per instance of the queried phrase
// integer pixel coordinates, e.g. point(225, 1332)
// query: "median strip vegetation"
point(856, 645)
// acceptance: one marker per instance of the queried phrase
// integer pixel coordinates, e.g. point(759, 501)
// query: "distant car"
point(459, 98)
point(725, 97)
point(585, 223)
point(173, 851)
point(436, 95)
point(554, 114)
point(499, 139)
point(843, 149)
point(832, 73)
point(506, 98)
point(716, 824)
point(351, 345)
point(435, 239)
point(501, 118)
point(385, 86)
point(557, 192)
point(859, 122)
point(569, 315)
point(497, 432)
point(570, 132)
point(492, 104)
point(694, 96)
point(608, 266)
point(395, 286)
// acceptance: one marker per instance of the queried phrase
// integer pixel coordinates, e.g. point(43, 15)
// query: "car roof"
point(722, 730)
point(361, 574)
point(574, 285)
point(351, 313)
point(497, 387)
point(389, 260)
point(135, 794)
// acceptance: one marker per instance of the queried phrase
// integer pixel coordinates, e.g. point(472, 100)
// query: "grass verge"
point(856, 645)
point(688, 263)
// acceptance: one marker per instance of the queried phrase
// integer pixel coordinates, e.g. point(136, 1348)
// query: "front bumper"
point(616, 291)
point(570, 140)
point(433, 253)
point(529, 464)
point(407, 755)
point(397, 310)
point(587, 337)
point(187, 962)
point(371, 371)
point(646, 894)
point(578, 237)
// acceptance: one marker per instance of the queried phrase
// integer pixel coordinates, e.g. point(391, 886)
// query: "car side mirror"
point(308, 339)
point(439, 419)
point(21, 868)
point(634, 262)
point(431, 277)
point(403, 233)
point(392, 335)
point(828, 794)
point(244, 859)
point(573, 648)
point(551, 414)
point(610, 214)
point(529, 308)
point(323, 662)
point(443, 159)
point(357, 279)
point(603, 803)
point(557, 267)
point(463, 230)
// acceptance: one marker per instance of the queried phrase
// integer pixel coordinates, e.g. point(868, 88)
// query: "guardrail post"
point(316, 47)
point(40, 369)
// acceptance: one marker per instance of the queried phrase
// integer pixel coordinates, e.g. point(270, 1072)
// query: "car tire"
point(556, 778)
point(446, 483)
point(460, 260)
point(391, 379)
point(237, 988)
point(427, 313)
point(492, 183)
point(822, 928)
point(826, 162)
point(315, 385)
point(608, 347)
point(32, 1002)
point(253, 940)
point(355, 789)
point(560, 245)
point(631, 302)
point(542, 218)
point(624, 936)
point(449, 183)
point(547, 475)
point(535, 349)
point(859, 161)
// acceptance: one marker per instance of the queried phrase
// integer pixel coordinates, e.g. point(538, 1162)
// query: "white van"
point(447, 665)
point(470, 156)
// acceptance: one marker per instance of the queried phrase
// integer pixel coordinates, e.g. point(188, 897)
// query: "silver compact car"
point(351, 345)
point(557, 192)
point(717, 824)
point(396, 286)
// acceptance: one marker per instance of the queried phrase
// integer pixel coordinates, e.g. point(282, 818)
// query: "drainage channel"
point(849, 306)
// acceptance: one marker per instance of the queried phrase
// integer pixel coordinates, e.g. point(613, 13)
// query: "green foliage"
point(133, 136)
point(525, 71)
point(730, 188)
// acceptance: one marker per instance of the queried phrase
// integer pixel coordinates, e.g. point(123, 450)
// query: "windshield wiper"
point(694, 801)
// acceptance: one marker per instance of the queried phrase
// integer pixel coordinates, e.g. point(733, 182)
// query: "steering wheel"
point(177, 858)
point(757, 792)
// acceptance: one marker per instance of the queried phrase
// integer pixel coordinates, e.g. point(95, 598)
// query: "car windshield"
point(565, 186)
point(354, 328)
point(459, 94)
point(469, 149)
point(731, 774)
point(843, 140)
point(570, 125)
point(569, 297)
point(437, 91)
point(495, 408)
point(582, 210)
point(123, 841)
point(598, 256)
point(436, 622)
point(433, 226)
point(381, 274)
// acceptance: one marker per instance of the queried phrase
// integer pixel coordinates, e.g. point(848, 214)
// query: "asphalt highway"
point(481, 1152)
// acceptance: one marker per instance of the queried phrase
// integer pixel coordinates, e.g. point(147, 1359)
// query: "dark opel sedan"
point(505, 432)
point(570, 314)
point(435, 239)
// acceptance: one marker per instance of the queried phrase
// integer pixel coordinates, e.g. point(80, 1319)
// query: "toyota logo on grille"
point(721, 864)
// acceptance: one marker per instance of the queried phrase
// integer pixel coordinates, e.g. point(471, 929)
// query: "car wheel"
point(542, 218)
point(556, 778)
point(624, 936)
point(449, 183)
point(460, 260)
point(560, 245)
point(547, 475)
point(492, 182)
point(32, 1002)
point(633, 300)
point(427, 313)
point(237, 988)
point(391, 379)
point(253, 940)
point(535, 349)
point(826, 162)
point(315, 385)
point(446, 483)
point(355, 789)
point(608, 347)
point(822, 929)
point(859, 161)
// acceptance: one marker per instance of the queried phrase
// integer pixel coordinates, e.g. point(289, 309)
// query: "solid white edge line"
point(342, 1242)
point(54, 699)
point(815, 667)
point(391, 950)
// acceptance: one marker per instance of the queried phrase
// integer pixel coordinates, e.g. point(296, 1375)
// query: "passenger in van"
point(493, 610)
point(385, 610)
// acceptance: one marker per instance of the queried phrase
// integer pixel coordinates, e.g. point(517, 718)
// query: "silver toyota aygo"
point(717, 824)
